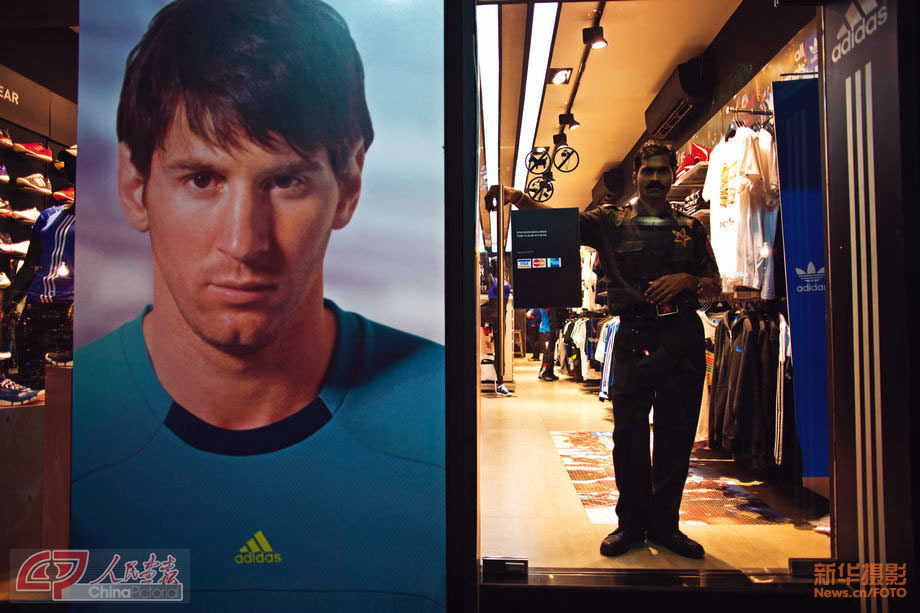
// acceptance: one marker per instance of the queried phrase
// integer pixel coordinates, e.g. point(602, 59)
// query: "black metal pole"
point(499, 338)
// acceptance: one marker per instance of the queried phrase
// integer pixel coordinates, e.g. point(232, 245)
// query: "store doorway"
point(548, 491)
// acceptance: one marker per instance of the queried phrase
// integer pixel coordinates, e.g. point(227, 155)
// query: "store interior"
point(714, 83)
point(38, 152)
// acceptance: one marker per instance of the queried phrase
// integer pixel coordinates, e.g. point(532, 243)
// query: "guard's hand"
point(511, 195)
point(666, 288)
point(491, 198)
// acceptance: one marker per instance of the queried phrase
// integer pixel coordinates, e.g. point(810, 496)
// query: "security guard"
point(657, 261)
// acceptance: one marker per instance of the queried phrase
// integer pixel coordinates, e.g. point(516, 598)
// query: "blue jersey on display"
point(53, 279)
point(339, 507)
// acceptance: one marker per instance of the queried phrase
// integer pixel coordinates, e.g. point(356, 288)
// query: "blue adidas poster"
point(799, 150)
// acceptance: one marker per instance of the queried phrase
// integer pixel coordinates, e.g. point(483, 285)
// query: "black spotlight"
point(594, 37)
point(559, 140)
point(568, 119)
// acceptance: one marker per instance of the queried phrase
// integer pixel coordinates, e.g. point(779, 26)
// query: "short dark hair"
point(650, 148)
point(238, 67)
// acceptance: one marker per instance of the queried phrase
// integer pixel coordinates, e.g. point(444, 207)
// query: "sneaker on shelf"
point(64, 154)
point(34, 150)
point(13, 393)
point(4, 175)
point(15, 248)
point(503, 391)
point(5, 140)
point(5, 206)
point(60, 358)
point(28, 216)
point(699, 151)
point(36, 182)
point(64, 195)
point(4, 281)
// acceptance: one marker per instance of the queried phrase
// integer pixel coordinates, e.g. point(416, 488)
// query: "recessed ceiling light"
point(558, 76)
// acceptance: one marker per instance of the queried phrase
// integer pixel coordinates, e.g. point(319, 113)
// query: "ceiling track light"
point(568, 119)
point(560, 140)
point(594, 36)
point(558, 76)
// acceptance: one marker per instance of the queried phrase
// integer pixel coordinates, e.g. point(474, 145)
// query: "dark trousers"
point(43, 328)
point(547, 339)
point(658, 361)
point(534, 346)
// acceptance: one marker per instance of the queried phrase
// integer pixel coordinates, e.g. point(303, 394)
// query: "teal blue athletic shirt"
point(347, 493)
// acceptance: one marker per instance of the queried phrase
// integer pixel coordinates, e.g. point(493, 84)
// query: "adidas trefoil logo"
point(862, 21)
point(814, 279)
point(257, 551)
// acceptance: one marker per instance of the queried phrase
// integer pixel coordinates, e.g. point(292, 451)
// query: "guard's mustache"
point(655, 185)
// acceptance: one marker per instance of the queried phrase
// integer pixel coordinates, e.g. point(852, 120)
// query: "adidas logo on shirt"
point(862, 21)
point(257, 551)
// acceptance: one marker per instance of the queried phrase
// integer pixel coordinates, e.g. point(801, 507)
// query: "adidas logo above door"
point(862, 21)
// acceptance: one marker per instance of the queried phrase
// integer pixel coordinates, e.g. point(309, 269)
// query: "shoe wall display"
point(35, 174)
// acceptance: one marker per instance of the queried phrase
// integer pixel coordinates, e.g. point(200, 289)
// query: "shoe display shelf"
point(24, 153)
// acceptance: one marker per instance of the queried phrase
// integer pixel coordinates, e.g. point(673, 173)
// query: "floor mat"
point(709, 500)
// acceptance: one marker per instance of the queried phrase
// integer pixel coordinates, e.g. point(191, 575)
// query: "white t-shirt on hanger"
point(733, 168)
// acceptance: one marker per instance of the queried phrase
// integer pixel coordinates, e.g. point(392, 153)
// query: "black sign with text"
point(545, 262)
point(23, 102)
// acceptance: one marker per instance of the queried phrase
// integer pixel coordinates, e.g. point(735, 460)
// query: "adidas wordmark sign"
point(857, 27)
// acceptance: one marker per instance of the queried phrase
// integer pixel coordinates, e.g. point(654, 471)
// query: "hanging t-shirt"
point(733, 168)
point(588, 278)
point(785, 359)
point(768, 213)
point(607, 374)
point(709, 331)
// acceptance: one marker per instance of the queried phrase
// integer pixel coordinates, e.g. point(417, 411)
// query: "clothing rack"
point(750, 111)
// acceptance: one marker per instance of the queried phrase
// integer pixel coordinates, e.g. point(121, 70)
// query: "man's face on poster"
point(238, 233)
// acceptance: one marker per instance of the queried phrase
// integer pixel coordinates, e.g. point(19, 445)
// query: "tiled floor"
point(529, 507)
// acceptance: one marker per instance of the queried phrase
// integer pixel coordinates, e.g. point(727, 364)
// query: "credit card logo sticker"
point(554, 263)
point(523, 263)
point(539, 262)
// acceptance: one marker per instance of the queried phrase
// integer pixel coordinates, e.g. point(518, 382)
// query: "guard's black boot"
point(620, 541)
